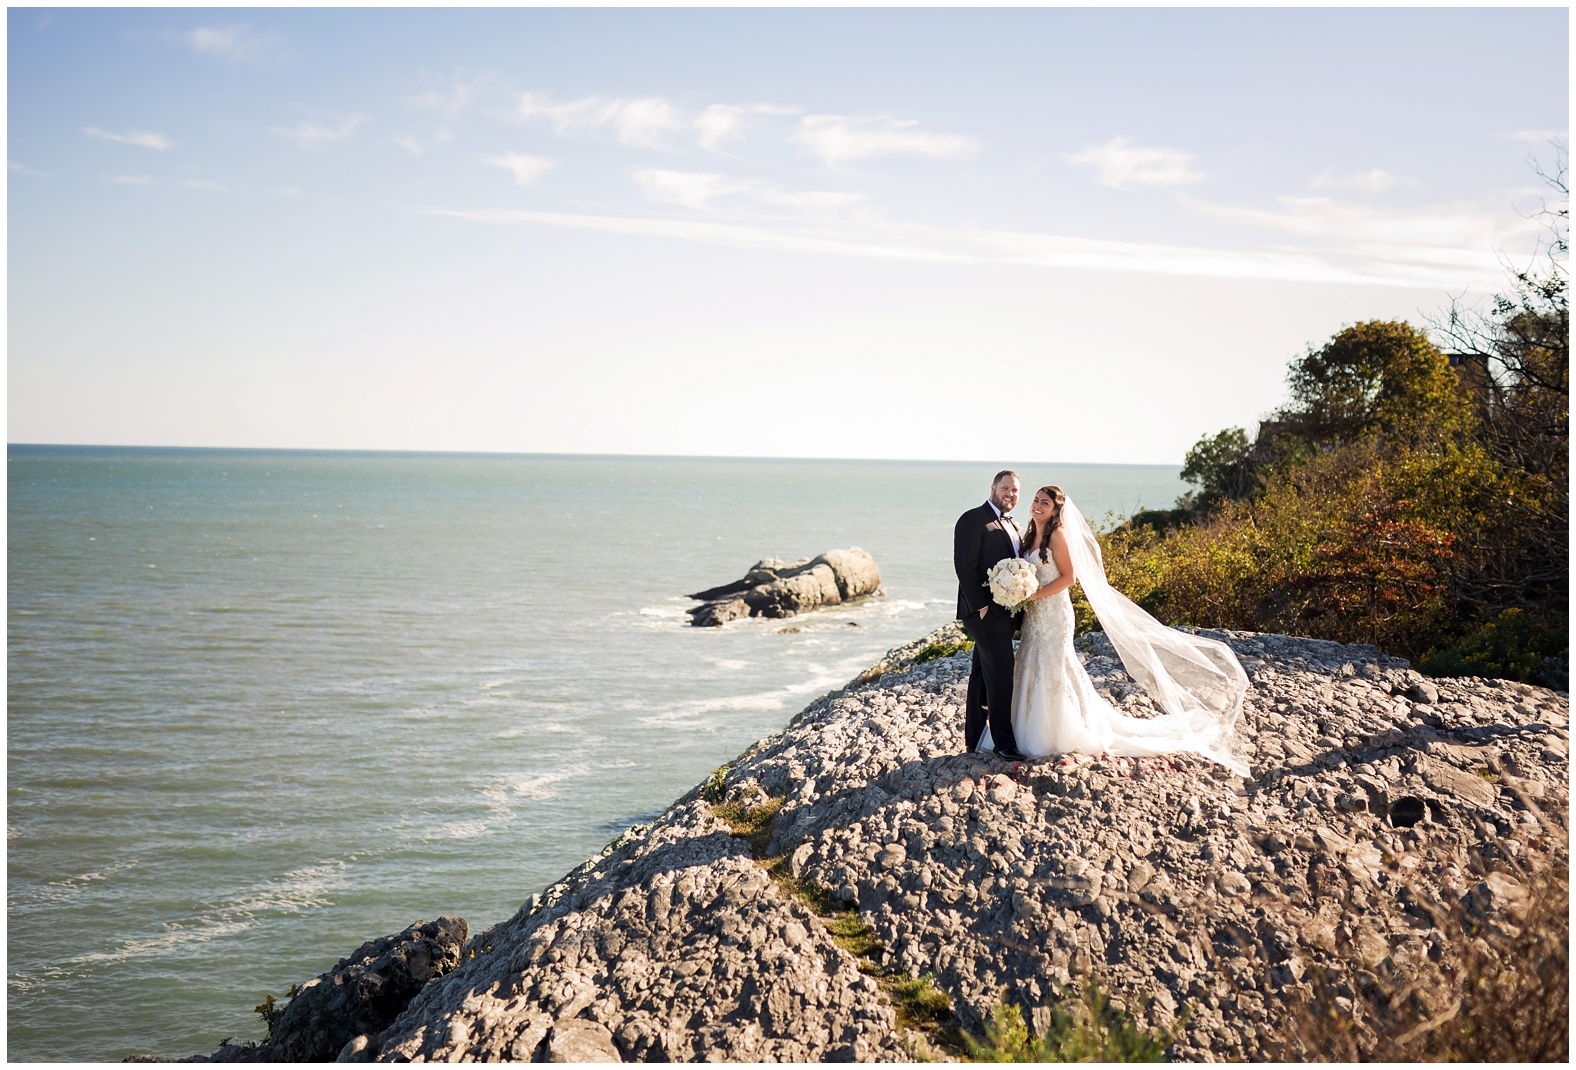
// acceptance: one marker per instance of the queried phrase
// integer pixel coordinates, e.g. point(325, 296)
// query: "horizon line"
point(562, 455)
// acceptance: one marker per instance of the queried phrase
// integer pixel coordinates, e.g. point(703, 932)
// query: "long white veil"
point(1198, 682)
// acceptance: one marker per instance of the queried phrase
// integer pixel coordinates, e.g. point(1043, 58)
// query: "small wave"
point(765, 700)
point(533, 729)
point(530, 786)
point(483, 701)
point(296, 892)
point(692, 714)
point(175, 939)
point(96, 875)
point(69, 887)
point(677, 719)
point(501, 797)
point(671, 611)
point(891, 607)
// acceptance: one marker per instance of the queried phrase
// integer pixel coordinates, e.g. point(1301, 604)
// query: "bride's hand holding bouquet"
point(1013, 583)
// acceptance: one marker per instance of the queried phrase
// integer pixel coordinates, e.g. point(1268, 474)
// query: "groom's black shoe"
point(1010, 754)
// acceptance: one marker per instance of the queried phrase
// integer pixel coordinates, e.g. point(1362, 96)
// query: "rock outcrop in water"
point(785, 909)
point(774, 588)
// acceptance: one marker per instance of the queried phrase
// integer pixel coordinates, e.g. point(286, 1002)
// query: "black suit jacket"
point(979, 540)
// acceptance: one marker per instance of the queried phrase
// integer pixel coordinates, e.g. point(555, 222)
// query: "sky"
point(1077, 235)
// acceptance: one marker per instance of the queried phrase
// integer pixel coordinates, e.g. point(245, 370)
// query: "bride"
point(1198, 682)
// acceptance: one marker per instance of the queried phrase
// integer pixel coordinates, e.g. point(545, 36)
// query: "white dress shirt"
point(1010, 529)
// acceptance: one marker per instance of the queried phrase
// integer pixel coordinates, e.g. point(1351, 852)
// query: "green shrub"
point(716, 785)
point(1085, 1027)
point(1510, 646)
point(1161, 520)
point(919, 998)
point(943, 648)
point(270, 1009)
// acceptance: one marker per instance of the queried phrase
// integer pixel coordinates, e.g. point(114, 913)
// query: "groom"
point(982, 537)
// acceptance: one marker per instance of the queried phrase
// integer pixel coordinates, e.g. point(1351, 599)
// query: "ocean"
point(266, 705)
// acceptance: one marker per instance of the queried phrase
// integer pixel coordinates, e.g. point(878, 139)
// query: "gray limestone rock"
point(575, 1040)
point(774, 588)
point(1206, 901)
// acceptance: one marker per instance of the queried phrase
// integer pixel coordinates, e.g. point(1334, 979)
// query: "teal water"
point(265, 705)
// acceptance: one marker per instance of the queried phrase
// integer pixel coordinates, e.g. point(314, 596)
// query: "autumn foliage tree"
point(1379, 568)
point(1380, 380)
point(1401, 496)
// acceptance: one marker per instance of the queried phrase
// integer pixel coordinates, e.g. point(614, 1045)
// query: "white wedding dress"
point(1198, 682)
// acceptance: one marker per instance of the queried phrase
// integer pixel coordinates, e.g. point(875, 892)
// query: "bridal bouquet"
point(1012, 581)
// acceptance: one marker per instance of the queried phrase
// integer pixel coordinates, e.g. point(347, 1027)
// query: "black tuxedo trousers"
point(979, 540)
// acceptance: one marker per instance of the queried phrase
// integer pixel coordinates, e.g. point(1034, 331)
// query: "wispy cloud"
point(453, 96)
point(1356, 226)
point(655, 122)
point(840, 138)
point(238, 42)
point(644, 122)
point(526, 169)
point(701, 190)
point(721, 122)
point(409, 143)
point(311, 133)
point(1375, 181)
point(146, 139)
point(738, 236)
point(1366, 258)
point(22, 169)
point(1122, 164)
point(203, 184)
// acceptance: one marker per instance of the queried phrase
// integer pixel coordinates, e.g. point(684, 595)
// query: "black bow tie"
point(1008, 518)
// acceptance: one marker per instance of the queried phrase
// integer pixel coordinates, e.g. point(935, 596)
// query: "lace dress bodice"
point(1047, 613)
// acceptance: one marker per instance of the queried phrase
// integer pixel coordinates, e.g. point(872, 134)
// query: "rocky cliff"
point(851, 882)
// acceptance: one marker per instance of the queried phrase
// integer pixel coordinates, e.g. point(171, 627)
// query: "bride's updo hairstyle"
point(1054, 521)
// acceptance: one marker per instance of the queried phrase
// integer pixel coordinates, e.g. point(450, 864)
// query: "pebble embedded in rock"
point(1424, 692)
point(1233, 883)
point(576, 1040)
